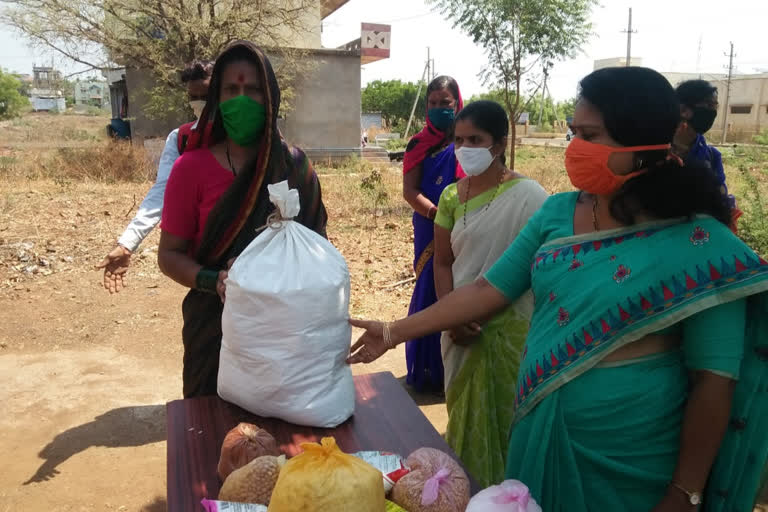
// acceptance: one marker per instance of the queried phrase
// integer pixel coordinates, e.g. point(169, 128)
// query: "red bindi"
point(240, 78)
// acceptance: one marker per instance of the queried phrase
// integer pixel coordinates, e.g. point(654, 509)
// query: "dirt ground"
point(87, 375)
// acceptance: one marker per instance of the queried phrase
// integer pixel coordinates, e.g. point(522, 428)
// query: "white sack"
point(285, 325)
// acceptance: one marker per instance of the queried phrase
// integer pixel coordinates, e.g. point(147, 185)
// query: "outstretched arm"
point(459, 307)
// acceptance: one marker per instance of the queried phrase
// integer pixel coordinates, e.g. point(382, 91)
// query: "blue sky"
point(667, 39)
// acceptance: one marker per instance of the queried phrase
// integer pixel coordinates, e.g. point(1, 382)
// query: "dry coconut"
point(243, 444)
point(436, 483)
point(254, 482)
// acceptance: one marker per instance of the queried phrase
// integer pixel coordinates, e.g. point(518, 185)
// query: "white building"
point(617, 62)
point(747, 113)
point(44, 95)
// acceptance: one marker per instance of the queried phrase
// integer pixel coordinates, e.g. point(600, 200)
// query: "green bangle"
point(207, 279)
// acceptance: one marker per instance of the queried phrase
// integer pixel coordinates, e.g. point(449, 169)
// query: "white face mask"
point(197, 107)
point(474, 161)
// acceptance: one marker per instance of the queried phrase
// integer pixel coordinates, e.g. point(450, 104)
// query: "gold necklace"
point(495, 192)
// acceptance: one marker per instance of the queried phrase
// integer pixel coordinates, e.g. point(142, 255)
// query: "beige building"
point(617, 62)
point(325, 119)
point(747, 108)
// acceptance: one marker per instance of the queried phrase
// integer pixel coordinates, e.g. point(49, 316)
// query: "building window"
point(741, 109)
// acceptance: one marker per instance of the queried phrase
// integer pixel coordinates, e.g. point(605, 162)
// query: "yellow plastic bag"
point(392, 507)
point(325, 479)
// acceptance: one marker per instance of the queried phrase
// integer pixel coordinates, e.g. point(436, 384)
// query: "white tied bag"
point(286, 334)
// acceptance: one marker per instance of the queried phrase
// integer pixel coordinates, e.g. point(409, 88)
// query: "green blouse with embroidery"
point(711, 340)
point(450, 209)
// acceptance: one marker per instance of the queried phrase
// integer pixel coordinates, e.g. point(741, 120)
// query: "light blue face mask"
point(441, 118)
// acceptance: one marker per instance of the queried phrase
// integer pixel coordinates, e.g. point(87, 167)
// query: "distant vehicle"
point(569, 134)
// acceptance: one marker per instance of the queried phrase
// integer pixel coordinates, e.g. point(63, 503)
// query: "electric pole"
point(629, 33)
point(429, 65)
point(727, 97)
point(416, 100)
point(698, 58)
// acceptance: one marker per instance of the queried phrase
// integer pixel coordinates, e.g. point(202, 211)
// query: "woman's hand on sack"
point(221, 288)
point(371, 345)
point(466, 335)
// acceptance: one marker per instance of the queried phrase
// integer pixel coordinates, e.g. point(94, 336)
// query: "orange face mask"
point(587, 166)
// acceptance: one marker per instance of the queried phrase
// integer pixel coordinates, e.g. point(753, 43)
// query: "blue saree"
point(422, 356)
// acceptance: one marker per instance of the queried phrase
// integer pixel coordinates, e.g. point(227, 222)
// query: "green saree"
point(480, 378)
point(600, 436)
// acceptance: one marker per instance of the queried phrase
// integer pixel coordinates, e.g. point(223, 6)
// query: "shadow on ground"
point(159, 505)
point(423, 397)
point(118, 428)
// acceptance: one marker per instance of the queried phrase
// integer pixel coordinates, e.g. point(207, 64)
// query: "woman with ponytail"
point(642, 384)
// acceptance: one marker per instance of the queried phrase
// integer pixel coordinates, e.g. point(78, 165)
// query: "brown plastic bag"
point(436, 483)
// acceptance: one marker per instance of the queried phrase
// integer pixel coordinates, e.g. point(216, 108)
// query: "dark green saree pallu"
point(234, 221)
point(594, 436)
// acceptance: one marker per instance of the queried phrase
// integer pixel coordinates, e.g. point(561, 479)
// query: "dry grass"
point(545, 165)
point(50, 129)
point(369, 221)
point(68, 148)
point(104, 161)
point(371, 225)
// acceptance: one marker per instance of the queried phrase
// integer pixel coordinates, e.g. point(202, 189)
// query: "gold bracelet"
point(387, 334)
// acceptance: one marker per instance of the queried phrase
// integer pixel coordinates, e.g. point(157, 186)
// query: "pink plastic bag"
point(509, 496)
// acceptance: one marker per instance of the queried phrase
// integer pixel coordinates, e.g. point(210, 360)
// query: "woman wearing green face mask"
point(217, 197)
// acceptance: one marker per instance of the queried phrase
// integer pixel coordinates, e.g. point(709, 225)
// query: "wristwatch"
point(694, 498)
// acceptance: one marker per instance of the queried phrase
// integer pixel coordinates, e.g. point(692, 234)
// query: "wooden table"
point(385, 419)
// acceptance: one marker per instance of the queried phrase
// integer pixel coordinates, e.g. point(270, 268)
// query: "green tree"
point(11, 101)
point(553, 111)
point(519, 36)
point(496, 95)
point(549, 114)
point(24, 87)
point(161, 37)
point(394, 99)
point(567, 107)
